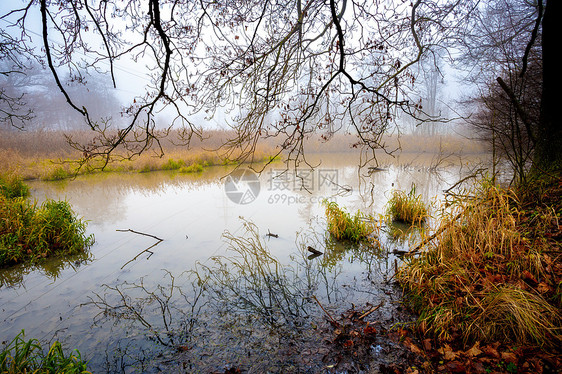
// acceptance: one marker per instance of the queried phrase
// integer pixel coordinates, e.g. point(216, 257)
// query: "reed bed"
point(46, 155)
point(482, 277)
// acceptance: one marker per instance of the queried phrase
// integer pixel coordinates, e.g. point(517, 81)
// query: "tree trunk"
point(548, 151)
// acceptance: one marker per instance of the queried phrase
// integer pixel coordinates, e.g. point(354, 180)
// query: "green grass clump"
point(408, 208)
point(29, 232)
point(193, 168)
point(57, 174)
point(12, 187)
point(27, 356)
point(172, 164)
point(344, 226)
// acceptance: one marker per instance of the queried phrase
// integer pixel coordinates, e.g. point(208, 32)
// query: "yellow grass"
point(47, 155)
point(473, 277)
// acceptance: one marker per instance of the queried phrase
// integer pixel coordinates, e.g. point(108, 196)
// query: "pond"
point(202, 272)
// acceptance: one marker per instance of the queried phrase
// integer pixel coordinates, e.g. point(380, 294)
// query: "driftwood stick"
point(373, 309)
point(141, 233)
point(148, 250)
point(328, 314)
point(314, 251)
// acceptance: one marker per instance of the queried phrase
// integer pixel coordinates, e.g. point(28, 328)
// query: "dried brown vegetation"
point(492, 275)
point(47, 155)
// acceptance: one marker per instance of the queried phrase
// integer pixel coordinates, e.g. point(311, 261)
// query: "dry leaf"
point(447, 352)
point(474, 351)
point(543, 287)
point(509, 357)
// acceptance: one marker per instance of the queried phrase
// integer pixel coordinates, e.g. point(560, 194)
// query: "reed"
point(407, 207)
point(46, 155)
point(484, 276)
point(344, 226)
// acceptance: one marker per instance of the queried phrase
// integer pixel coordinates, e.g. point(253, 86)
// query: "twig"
point(328, 314)
point(272, 235)
point(371, 310)
point(146, 250)
point(141, 233)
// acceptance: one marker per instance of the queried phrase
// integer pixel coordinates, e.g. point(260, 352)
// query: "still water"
point(184, 276)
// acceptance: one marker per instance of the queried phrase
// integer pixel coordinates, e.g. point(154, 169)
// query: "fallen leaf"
point(455, 367)
point(543, 287)
point(474, 351)
point(491, 351)
point(509, 357)
point(369, 330)
point(525, 274)
point(447, 352)
point(412, 347)
point(427, 344)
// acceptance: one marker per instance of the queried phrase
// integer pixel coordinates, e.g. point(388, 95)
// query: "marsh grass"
point(29, 232)
point(482, 275)
point(47, 156)
point(12, 186)
point(407, 207)
point(354, 228)
point(27, 356)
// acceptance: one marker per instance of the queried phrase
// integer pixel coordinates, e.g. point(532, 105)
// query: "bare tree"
point(13, 111)
point(306, 64)
point(508, 50)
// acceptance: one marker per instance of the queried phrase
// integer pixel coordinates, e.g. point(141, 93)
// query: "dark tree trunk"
point(548, 151)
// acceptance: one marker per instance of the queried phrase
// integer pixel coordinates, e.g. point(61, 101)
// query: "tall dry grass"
point(47, 155)
point(483, 277)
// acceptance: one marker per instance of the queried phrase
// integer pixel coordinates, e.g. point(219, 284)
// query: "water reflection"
point(255, 306)
point(248, 278)
point(245, 307)
point(156, 318)
point(51, 268)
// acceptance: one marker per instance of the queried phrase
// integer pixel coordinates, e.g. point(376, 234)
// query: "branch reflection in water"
point(245, 307)
point(157, 318)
